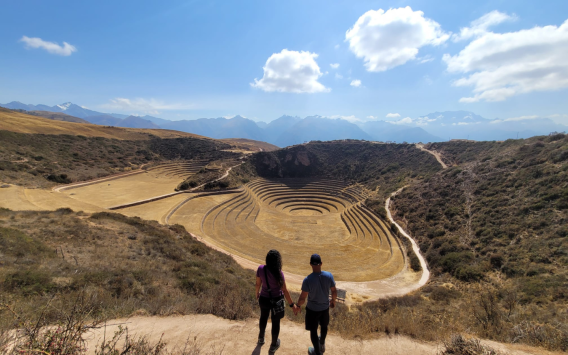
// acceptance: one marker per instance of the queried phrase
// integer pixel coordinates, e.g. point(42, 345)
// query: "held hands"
point(296, 309)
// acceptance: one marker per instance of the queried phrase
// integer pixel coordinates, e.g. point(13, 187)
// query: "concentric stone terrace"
point(300, 217)
point(180, 169)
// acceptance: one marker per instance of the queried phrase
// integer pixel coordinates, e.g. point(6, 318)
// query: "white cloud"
point(480, 26)
point(338, 76)
point(502, 65)
point(520, 118)
point(420, 121)
point(393, 115)
point(65, 50)
point(336, 46)
point(427, 58)
point(560, 118)
point(356, 83)
point(334, 65)
point(147, 106)
point(404, 121)
point(291, 71)
point(372, 117)
point(386, 39)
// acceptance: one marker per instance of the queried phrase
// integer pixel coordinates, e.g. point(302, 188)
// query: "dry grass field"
point(23, 123)
point(249, 145)
point(125, 190)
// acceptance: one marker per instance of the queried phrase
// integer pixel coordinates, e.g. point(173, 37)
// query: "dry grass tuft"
point(457, 345)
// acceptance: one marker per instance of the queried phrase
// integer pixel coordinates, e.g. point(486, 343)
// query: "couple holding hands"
point(271, 291)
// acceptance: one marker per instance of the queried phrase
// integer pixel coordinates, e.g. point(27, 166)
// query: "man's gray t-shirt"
point(317, 285)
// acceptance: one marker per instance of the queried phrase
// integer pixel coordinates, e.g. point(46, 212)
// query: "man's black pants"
point(313, 319)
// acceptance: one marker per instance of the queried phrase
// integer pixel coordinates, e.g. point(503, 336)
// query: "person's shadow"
point(256, 350)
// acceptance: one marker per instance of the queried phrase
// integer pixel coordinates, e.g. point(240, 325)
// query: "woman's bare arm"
point(286, 293)
point(258, 284)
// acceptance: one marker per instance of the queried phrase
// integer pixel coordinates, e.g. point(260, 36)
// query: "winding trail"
point(436, 154)
point(425, 271)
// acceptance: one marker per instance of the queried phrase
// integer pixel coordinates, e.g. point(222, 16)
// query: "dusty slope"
point(250, 145)
point(239, 338)
point(23, 123)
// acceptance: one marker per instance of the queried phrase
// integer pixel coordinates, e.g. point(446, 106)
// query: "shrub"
point(29, 282)
point(60, 179)
point(457, 345)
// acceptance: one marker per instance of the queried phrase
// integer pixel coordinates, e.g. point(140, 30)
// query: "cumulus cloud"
point(393, 115)
point(502, 65)
point(338, 76)
point(291, 71)
point(372, 117)
point(334, 65)
point(34, 42)
point(481, 25)
point(356, 83)
point(386, 39)
point(147, 106)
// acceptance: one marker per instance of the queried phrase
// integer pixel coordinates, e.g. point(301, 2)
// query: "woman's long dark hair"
point(274, 265)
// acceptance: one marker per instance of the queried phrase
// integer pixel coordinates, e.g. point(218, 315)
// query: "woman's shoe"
point(274, 347)
point(260, 341)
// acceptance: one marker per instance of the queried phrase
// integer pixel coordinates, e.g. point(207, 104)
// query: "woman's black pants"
point(264, 314)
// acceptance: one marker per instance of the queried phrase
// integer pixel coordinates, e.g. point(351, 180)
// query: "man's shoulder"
point(327, 274)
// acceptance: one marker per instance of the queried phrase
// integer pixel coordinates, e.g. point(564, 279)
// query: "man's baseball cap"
point(315, 259)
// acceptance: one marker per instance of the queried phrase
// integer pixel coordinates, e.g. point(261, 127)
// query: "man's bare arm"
point(302, 298)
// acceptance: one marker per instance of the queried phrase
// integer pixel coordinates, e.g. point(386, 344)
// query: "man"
point(316, 288)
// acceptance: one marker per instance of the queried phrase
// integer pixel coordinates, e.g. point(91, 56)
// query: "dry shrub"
point(457, 345)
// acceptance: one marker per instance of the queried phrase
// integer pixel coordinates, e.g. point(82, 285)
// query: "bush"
point(29, 282)
point(60, 179)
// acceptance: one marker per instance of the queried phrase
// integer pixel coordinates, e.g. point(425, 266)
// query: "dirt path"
point(425, 272)
point(213, 335)
point(436, 154)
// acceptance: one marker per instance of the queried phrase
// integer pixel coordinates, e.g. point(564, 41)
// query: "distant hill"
point(55, 116)
point(317, 128)
point(276, 128)
point(386, 131)
point(467, 125)
point(250, 145)
point(68, 108)
point(290, 130)
point(236, 127)
point(23, 123)
point(128, 122)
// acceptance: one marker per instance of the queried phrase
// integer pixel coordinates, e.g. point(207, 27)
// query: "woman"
point(269, 277)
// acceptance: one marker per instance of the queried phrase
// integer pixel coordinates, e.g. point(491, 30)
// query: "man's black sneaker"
point(322, 346)
point(274, 347)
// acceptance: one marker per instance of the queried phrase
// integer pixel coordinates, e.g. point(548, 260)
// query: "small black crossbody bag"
point(276, 304)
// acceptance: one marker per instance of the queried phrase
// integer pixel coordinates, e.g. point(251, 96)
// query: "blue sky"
point(193, 59)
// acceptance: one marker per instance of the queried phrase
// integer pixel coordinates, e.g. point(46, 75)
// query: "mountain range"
point(290, 130)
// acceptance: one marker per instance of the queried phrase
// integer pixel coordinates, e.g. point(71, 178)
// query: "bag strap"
point(321, 284)
point(267, 284)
